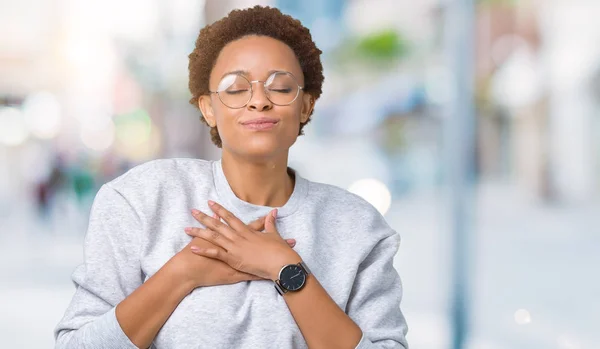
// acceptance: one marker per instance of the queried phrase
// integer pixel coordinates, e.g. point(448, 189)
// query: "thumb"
point(270, 222)
point(258, 224)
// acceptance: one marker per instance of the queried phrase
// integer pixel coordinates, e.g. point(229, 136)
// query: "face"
point(256, 58)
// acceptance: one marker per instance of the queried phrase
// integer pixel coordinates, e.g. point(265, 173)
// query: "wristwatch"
point(292, 278)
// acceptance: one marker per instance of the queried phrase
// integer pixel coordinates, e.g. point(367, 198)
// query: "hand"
point(241, 247)
point(203, 271)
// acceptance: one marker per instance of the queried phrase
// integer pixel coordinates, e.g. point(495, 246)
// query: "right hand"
point(203, 271)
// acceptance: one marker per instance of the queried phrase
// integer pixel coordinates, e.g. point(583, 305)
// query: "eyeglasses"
point(235, 91)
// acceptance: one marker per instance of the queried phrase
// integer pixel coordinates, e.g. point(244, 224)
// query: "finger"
point(270, 222)
point(211, 236)
point(214, 253)
point(215, 225)
point(291, 242)
point(228, 217)
point(201, 243)
point(258, 225)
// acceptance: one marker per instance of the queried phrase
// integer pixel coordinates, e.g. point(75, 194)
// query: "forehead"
point(258, 55)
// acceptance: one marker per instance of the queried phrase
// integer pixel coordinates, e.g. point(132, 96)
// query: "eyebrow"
point(246, 73)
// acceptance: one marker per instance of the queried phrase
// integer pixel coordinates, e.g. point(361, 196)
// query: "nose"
point(259, 100)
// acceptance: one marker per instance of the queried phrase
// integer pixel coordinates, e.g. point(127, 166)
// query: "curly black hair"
point(261, 21)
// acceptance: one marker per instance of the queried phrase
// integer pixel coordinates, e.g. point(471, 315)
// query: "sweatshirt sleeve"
point(109, 273)
point(374, 302)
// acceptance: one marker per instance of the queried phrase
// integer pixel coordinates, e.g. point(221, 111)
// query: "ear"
point(205, 105)
point(308, 103)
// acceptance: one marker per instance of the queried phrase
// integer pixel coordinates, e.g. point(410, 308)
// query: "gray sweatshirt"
point(137, 224)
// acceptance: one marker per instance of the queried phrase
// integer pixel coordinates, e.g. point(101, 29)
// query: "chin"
point(262, 151)
point(262, 148)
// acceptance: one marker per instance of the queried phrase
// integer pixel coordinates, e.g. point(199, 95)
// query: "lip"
point(260, 123)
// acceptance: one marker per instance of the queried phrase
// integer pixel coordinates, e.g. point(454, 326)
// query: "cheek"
point(292, 121)
point(225, 117)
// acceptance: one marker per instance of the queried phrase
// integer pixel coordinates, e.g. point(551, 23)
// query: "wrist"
point(179, 275)
point(291, 257)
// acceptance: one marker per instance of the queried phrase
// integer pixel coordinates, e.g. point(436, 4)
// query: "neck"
point(263, 183)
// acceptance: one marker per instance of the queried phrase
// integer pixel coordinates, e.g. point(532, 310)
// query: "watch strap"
point(305, 267)
point(280, 289)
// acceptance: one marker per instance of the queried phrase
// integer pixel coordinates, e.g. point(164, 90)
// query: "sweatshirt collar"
point(250, 211)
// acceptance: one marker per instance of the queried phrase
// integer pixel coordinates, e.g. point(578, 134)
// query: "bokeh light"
point(375, 192)
point(137, 139)
point(133, 128)
point(522, 317)
point(98, 136)
point(42, 114)
point(13, 130)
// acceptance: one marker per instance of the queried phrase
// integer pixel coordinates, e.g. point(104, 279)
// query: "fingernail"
point(211, 202)
point(195, 212)
point(274, 213)
point(188, 230)
point(195, 249)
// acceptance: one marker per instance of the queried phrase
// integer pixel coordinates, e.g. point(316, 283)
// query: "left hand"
point(259, 253)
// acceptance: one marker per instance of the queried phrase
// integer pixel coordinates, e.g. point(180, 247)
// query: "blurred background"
point(474, 127)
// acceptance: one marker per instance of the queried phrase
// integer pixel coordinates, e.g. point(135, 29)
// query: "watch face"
point(292, 278)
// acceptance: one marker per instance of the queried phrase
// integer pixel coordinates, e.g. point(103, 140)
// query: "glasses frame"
point(300, 88)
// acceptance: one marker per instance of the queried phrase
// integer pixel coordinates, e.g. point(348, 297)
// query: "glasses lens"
point(234, 91)
point(281, 88)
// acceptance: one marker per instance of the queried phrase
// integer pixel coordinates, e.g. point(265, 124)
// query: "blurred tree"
point(376, 51)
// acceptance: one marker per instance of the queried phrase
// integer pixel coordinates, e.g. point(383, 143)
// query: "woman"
point(265, 258)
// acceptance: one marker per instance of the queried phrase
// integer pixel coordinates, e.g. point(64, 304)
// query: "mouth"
point(260, 124)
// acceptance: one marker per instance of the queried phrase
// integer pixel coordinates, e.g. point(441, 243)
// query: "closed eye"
point(282, 90)
point(236, 92)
